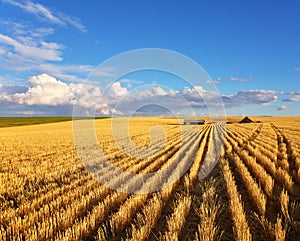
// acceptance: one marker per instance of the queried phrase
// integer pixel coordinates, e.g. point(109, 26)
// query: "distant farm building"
point(194, 122)
point(246, 120)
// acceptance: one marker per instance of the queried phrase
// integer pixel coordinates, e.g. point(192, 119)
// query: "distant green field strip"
point(22, 121)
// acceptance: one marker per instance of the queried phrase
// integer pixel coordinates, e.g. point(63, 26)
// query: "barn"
point(194, 122)
point(246, 120)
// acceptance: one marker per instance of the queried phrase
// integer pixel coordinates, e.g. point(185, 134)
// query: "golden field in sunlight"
point(253, 192)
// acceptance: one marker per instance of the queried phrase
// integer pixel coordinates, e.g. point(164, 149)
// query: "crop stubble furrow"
point(280, 175)
point(73, 200)
point(254, 198)
point(286, 156)
point(58, 191)
point(51, 196)
point(143, 229)
point(206, 204)
point(162, 222)
point(240, 223)
point(256, 169)
point(119, 224)
point(273, 218)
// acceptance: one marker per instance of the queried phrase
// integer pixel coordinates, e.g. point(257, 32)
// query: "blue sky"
point(250, 49)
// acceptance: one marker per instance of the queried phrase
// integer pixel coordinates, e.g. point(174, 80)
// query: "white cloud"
point(282, 107)
point(26, 50)
point(46, 90)
point(44, 13)
point(2, 51)
point(238, 79)
point(216, 82)
point(76, 22)
point(45, 51)
point(194, 91)
point(87, 96)
point(105, 110)
point(115, 89)
point(30, 112)
point(104, 71)
point(2, 93)
point(159, 99)
point(24, 31)
point(293, 97)
point(42, 32)
point(130, 82)
point(159, 91)
point(36, 9)
point(232, 78)
point(13, 27)
point(65, 72)
point(6, 92)
point(255, 97)
point(199, 89)
point(23, 47)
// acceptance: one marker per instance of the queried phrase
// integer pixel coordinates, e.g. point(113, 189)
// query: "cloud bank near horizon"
point(47, 94)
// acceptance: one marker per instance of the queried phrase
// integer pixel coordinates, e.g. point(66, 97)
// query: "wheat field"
point(253, 192)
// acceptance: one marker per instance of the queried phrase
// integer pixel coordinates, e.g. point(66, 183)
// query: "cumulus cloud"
point(46, 90)
point(282, 107)
point(159, 91)
point(7, 91)
point(12, 89)
point(115, 89)
point(293, 97)
point(255, 97)
point(158, 100)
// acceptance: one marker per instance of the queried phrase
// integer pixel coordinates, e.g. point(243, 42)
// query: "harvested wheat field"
point(253, 193)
